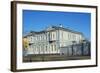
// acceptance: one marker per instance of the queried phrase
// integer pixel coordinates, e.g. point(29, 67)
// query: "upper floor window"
point(53, 35)
point(62, 34)
point(69, 36)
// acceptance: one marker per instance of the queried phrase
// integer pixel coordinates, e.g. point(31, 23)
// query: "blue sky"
point(39, 20)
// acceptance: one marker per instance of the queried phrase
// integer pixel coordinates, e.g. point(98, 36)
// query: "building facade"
point(53, 40)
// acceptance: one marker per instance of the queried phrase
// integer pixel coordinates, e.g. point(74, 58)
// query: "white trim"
point(21, 65)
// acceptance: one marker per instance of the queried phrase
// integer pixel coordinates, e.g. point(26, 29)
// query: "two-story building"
point(52, 40)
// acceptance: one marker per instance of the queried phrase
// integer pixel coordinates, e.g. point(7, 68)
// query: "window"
point(49, 36)
point(36, 38)
point(55, 47)
point(31, 38)
point(62, 35)
point(46, 48)
point(53, 35)
point(68, 36)
point(40, 37)
point(52, 47)
point(74, 37)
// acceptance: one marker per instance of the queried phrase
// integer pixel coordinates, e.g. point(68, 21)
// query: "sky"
point(39, 20)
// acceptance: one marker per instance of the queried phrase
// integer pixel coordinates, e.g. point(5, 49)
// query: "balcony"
point(51, 41)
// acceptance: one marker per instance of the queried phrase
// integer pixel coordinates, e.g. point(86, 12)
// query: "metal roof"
point(53, 28)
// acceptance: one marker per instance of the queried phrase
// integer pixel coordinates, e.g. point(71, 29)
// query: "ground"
point(52, 57)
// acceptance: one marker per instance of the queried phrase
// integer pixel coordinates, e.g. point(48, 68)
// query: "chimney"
point(60, 25)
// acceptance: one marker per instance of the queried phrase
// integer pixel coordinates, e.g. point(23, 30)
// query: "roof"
point(65, 29)
point(52, 28)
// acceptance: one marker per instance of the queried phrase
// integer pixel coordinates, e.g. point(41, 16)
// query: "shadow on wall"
point(81, 49)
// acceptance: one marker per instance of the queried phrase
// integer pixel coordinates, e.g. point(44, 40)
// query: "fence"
point(76, 49)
